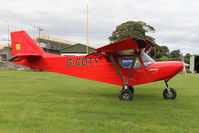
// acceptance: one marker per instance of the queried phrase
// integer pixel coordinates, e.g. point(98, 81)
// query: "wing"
point(127, 44)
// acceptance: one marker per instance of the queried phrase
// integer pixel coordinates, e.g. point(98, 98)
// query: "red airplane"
point(123, 63)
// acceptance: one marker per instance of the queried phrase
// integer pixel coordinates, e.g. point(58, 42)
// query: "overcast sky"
point(176, 21)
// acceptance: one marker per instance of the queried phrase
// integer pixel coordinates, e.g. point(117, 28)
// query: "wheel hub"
point(170, 94)
point(125, 96)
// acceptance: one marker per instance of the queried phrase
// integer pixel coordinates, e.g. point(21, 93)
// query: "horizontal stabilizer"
point(18, 58)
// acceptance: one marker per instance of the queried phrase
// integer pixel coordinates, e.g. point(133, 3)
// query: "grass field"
point(44, 102)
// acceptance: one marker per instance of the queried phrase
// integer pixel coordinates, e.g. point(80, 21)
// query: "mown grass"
point(44, 102)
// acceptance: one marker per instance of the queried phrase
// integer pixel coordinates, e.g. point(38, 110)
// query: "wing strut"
point(130, 72)
point(113, 61)
point(131, 69)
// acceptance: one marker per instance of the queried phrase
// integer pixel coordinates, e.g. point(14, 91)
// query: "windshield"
point(147, 60)
point(127, 61)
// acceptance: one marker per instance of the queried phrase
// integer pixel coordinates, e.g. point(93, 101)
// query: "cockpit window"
point(129, 52)
point(147, 60)
point(127, 61)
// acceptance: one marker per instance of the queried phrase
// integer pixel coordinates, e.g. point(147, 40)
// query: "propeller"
point(184, 68)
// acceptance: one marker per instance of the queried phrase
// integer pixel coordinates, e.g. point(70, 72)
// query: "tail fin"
point(23, 45)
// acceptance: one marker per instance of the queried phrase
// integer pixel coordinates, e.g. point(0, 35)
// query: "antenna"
point(39, 30)
point(87, 26)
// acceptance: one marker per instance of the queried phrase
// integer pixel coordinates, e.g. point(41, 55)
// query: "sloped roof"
point(77, 48)
point(55, 39)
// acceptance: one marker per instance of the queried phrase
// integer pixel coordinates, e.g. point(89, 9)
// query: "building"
point(5, 55)
point(76, 50)
point(5, 52)
point(53, 44)
point(194, 64)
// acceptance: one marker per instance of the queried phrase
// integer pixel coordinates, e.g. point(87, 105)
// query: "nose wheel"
point(126, 93)
point(169, 93)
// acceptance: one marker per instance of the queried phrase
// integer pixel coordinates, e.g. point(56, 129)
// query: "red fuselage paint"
point(102, 70)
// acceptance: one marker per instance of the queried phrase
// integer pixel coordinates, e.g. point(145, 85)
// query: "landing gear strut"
point(169, 93)
point(126, 93)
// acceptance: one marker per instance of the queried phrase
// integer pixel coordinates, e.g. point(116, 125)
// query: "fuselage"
point(102, 70)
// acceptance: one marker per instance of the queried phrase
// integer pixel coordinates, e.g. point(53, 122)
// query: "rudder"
point(24, 45)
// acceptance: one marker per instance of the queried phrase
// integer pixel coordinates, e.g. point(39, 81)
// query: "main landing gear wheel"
point(169, 93)
point(126, 94)
point(131, 89)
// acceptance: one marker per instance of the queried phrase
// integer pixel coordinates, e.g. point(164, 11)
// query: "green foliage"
point(163, 58)
point(44, 102)
point(188, 71)
point(150, 38)
point(175, 54)
point(160, 51)
point(162, 54)
point(131, 29)
point(188, 55)
point(187, 58)
point(175, 59)
point(164, 51)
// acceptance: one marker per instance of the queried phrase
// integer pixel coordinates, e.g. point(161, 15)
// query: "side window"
point(147, 60)
point(127, 61)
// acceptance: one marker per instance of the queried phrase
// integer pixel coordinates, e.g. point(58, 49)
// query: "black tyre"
point(131, 89)
point(168, 95)
point(125, 94)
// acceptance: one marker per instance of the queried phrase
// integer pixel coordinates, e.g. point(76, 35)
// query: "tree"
point(131, 29)
point(164, 51)
point(161, 51)
point(187, 58)
point(188, 55)
point(175, 54)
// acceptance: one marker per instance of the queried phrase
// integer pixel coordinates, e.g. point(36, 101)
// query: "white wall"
point(192, 63)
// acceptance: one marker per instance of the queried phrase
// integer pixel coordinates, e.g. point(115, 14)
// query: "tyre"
point(168, 95)
point(131, 89)
point(125, 94)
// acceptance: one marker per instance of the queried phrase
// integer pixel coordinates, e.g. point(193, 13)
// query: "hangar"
point(194, 64)
point(76, 50)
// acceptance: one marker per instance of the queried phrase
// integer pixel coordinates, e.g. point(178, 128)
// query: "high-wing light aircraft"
point(124, 63)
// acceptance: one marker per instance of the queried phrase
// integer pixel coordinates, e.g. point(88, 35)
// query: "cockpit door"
point(138, 71)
